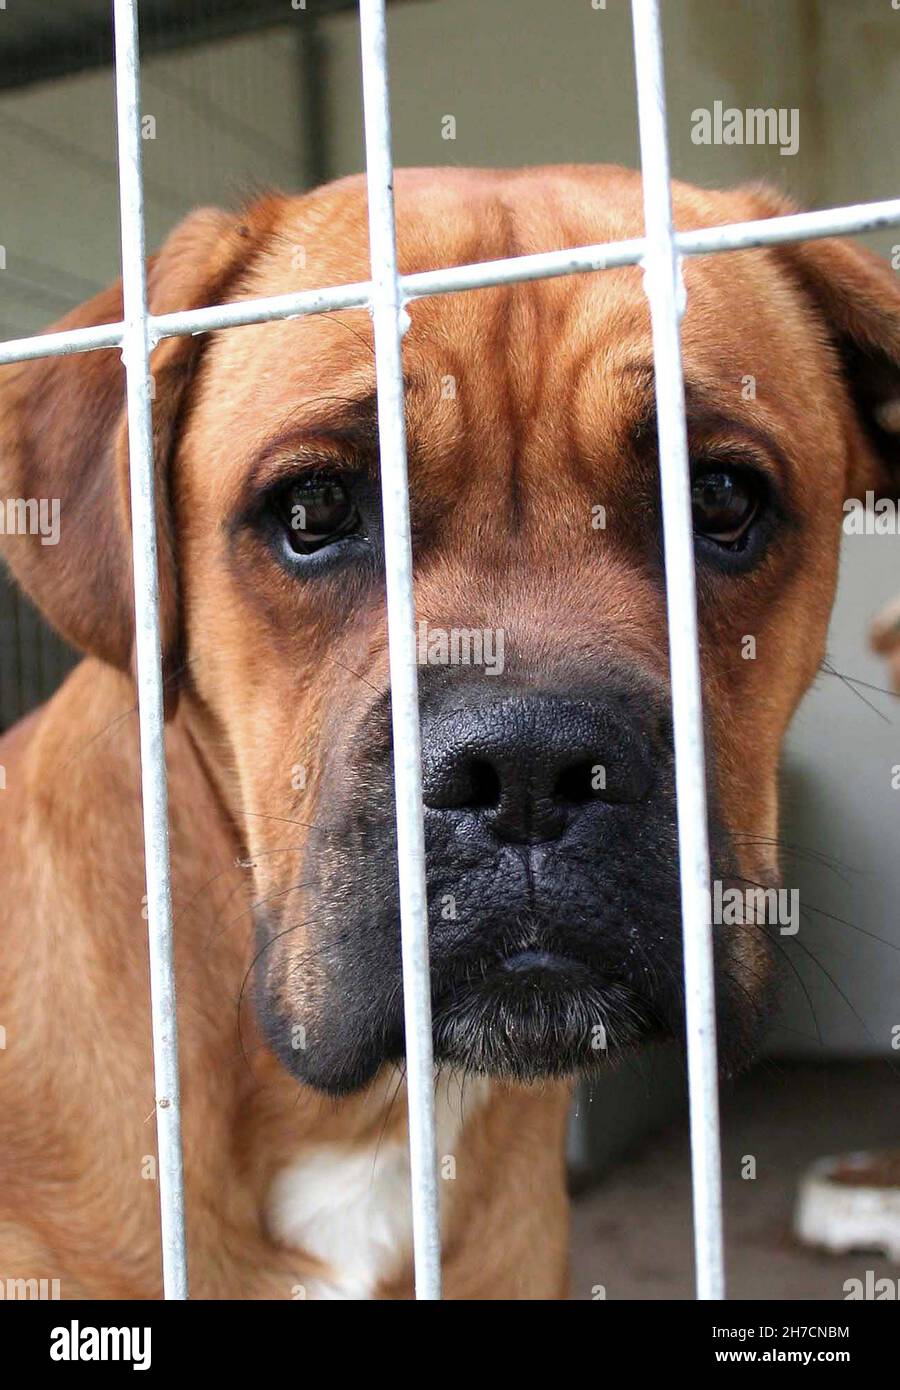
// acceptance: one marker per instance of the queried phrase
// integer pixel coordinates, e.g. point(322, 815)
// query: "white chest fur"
point(349, 1206)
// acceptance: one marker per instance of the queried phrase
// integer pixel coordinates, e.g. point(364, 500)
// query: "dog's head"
point(541, 638)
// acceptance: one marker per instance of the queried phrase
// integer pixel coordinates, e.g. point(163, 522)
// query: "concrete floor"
point(632, 1234)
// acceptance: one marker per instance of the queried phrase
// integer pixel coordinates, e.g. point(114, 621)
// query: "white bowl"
point(851, 1202)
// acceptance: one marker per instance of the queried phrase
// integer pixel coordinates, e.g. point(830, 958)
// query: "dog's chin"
point(536, 1015)
point(535, 1012)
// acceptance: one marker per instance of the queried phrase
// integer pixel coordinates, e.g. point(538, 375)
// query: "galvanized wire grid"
point(659, 252)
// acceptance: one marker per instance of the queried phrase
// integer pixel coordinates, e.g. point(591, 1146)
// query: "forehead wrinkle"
point(606, 402)
point(468, 442)
point(601, 318)
point(349, 419)
point(502, 326)
point(705, 411)
point(515, 331)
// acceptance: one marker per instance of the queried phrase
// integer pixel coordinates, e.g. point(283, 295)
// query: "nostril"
point(529, 769)
point(484, 785)
point(580, 782)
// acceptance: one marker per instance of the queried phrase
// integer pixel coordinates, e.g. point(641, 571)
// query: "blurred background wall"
point(245, 95)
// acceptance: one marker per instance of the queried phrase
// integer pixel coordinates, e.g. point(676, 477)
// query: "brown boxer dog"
point(547, 752)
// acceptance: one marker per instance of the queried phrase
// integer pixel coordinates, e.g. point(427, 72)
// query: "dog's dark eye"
point(724, 502)
point(316, 512)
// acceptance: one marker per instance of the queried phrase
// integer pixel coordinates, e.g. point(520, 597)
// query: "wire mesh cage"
point(659, 252)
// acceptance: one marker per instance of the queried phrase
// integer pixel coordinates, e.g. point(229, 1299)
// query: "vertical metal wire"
point(665, 291)
point(388, 315)
point(136, 355)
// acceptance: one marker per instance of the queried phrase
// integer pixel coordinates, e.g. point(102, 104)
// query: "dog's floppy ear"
point(858, 297)
point(63, 439)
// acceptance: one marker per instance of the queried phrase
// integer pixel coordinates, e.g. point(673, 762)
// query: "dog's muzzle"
point(552, 877)
point(526, 801)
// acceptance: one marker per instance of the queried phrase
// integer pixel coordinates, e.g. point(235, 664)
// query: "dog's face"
point(543, 679)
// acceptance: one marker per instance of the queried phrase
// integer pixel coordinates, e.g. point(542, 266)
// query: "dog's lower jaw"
point(534, 1018)
point(531, 1016)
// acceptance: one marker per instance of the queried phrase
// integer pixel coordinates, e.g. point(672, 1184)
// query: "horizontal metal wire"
point(852, 220)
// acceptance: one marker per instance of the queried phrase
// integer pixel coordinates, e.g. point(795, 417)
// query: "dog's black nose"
point(527, 765)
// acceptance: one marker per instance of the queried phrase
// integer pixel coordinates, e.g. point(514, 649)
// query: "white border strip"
point(665, 291)
point(136, 355)
point(388, 316)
